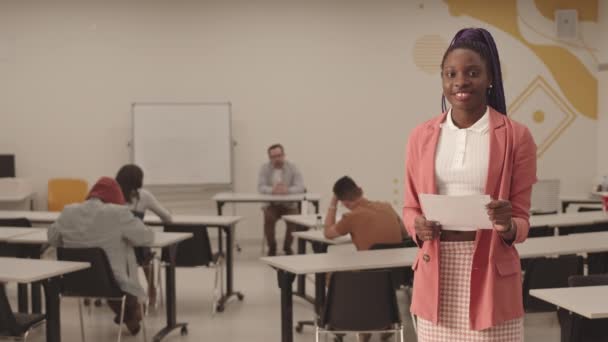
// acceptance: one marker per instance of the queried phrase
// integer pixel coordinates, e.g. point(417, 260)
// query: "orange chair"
point(64, 191)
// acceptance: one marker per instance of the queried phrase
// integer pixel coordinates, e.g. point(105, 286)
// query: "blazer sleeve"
point(54, 232)
point(263, 186)
point(523, 177)
point(411, 203)
point(297, 185)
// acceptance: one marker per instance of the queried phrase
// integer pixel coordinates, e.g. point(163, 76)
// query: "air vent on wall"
point(566, 24)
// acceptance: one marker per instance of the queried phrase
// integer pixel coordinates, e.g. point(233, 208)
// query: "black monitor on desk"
point(7, 165)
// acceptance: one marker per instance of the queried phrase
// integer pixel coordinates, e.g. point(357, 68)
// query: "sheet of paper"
point(457, 212)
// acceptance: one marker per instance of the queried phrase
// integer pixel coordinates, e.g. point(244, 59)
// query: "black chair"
point(545, 273)
point(23, 251)
point(575, 328)
point(95, 282)
point(13, 324)
point(361, 302)
point(402, 277)
point(196, 252)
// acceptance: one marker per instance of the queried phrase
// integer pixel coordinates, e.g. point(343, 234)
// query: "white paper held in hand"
point(457, 212)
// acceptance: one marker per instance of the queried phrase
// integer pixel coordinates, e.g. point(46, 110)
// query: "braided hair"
point(480, 41)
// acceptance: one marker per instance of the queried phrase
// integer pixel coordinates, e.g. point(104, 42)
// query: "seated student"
point(368, 222)
point(130, 177)
point(103, 221)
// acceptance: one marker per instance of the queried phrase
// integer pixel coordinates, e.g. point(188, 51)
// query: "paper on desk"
point(457, 212)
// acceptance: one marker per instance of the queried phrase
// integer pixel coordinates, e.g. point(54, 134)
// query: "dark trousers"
point(272, 213)
point(132, 309)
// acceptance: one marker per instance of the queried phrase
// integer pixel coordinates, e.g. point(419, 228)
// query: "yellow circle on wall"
point(538, 116)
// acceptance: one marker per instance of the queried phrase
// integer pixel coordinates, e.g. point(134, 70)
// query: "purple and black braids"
point(480, 40)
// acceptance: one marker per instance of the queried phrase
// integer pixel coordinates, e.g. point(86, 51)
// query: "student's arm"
point(331, 230)
point(150, 202)
point(53, 233)
point(133, 229)
point(297, 186)
point(263, 186)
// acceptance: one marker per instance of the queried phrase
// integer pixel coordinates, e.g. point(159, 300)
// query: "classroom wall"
point(339, 83)
point(602, 45)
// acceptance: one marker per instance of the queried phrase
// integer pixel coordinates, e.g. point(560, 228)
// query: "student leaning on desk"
point(368, 222)
point(467, 285)
point(103, 221)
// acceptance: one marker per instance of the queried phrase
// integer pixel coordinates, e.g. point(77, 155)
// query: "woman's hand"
point(426, 230)
point(500, 213)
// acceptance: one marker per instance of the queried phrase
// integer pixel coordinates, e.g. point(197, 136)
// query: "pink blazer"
point(496, 289)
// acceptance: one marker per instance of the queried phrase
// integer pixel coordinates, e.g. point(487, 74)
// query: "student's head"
point(470, 72)
point(107, 190)
point(347, 191)
point(276, 154)
point(130, 178)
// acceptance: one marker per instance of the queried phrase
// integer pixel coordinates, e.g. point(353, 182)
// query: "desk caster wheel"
point(184, 331)
point(240, 296)
point(299, 328)
point(219, 308)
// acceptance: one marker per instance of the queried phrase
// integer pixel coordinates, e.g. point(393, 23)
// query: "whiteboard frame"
point(214, 103)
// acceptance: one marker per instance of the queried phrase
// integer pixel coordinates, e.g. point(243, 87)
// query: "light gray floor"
point(255, 319)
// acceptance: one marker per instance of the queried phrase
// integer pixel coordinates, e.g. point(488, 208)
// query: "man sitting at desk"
point(368, 222)
point(104, 221)
point(279, 177)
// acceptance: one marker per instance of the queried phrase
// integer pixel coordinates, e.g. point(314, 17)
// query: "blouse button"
point(426, 258)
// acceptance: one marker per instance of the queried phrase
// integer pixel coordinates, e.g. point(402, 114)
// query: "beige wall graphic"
point(531, 108)
point(428, 51)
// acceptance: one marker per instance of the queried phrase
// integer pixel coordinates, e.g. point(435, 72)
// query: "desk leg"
point(53, 318)
point(319, 299)
point(301, 285)
point(220, 244)
point(23, 301)
point(316, 205)
point(565, 205)
point(285, 284)
point(171, 298)
point(36, 297)
point(229, 271)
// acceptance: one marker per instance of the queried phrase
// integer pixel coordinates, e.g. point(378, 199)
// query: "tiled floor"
point(255, 319)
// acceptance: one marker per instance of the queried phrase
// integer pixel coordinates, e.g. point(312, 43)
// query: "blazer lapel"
point(497, 153)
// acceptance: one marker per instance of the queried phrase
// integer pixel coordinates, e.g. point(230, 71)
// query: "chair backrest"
point(13, 250)
point(8, 323)
point(401, 276)
point(64, 191)
point(96, 281)
point(192, 252)
point(7, 165)
point(548, 273)
point(361, 300)
point(545, 196)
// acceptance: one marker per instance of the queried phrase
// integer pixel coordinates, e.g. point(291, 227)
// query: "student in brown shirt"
point(368, 222)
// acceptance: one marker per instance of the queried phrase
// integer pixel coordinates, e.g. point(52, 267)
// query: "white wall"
point(602, 45)
point(334, 81)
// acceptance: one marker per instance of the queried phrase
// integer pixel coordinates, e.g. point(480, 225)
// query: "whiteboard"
point(183, 143)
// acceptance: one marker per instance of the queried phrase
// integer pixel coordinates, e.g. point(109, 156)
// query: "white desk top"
point(347, 261)
point(161, 239)
point(30, 270)
point(10, 232)
point(580, 197)
point(319, 236)
point(205, 220)
point(568, 219)
point(565, 244)
point(44, 217)
point(587, 301)
point(310, 220)
point(256, 197)
point(16, 197)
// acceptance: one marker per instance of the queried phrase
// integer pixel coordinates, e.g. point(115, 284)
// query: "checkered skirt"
point(454, 283)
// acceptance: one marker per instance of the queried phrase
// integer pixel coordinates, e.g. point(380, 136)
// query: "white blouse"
point(462, 157)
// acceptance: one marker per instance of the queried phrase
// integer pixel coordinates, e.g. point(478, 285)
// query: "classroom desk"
point(223, 223)
point(290, 266)
point(167, 241)
point(579, 199)
point(587, 301)
point(9, 232)
point(34, 270)
point(235, 197)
